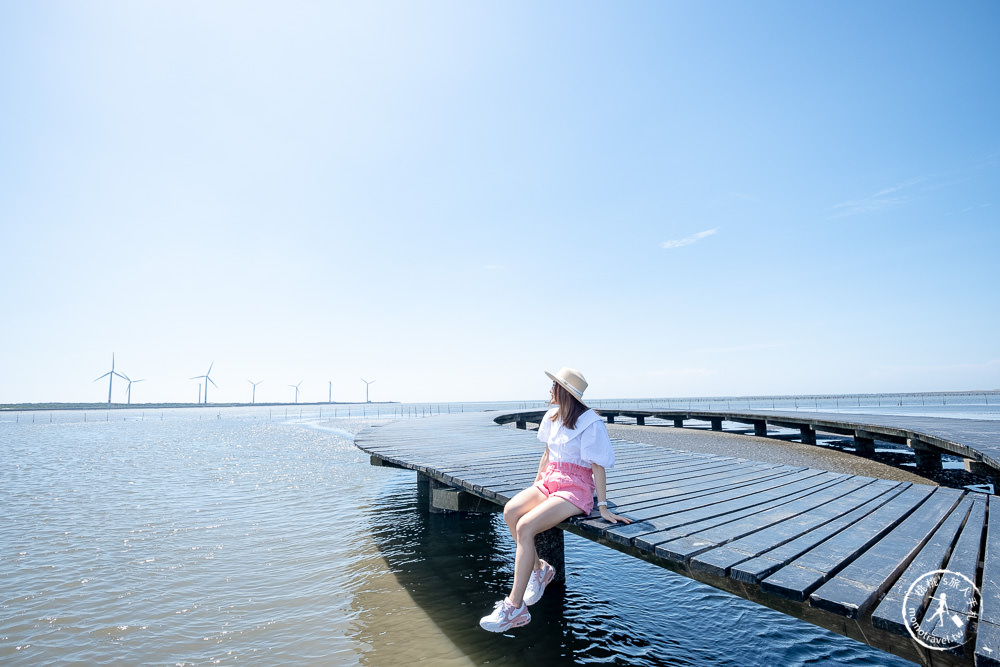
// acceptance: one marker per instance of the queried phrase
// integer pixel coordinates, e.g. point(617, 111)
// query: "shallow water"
point(223, 540)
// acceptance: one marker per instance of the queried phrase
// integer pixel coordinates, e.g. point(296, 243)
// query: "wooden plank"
point(639, 499)
point(953, 605)
point(691, 540)
point(625, 481)
point(987, 650)
point(688, 538)
point(888, 615)
point(806, 573)
point(801, 533)
point(856, 588)
point(676, 512)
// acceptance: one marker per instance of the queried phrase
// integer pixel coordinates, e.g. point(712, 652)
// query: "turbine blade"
point(212, 381)
point(103, 376)
point(210, 368)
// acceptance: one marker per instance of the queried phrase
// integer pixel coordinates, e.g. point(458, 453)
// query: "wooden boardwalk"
point(975, 440)
point(840, 551)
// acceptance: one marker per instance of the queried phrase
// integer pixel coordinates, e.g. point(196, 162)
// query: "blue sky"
point(677, 198)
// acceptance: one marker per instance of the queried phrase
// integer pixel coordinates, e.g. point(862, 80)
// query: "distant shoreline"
point(27, 407)
point(597, 403)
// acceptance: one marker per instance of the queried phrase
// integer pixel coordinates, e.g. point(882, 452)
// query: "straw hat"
point(571, 380)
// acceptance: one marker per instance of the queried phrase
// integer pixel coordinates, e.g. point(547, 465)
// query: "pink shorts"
point(569, 482)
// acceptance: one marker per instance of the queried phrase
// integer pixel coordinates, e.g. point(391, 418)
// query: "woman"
point(577, 452)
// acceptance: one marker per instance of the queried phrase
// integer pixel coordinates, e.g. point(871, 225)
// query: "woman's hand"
point(611, 517)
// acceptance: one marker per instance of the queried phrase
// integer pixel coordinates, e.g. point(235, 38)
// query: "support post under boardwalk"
point(423, 489)
point(808, 435)
point(640, 421)
point(678, 423)
point(551, 549)
point(442, 498)
point(716, 424)
point(928, 458)
point(864, 445)
point(760, 428)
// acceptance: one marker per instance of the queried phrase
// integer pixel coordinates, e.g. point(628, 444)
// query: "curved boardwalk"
point(840, 551)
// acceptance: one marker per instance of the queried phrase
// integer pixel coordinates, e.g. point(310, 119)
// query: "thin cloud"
point(680, 243)
point(890, 197)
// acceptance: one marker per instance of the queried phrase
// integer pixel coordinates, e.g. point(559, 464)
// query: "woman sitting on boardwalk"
point(577, 452)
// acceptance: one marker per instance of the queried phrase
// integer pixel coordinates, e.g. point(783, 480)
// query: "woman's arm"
point(543, 464)
point(601, 484)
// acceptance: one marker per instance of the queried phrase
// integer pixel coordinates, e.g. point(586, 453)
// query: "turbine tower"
point(296, 388)
point(207, 380)
point(111, 377)
point(367, 384)
point(130, 381)
point(253, 396)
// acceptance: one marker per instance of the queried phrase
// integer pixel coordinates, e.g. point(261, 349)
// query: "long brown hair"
point(570, 408)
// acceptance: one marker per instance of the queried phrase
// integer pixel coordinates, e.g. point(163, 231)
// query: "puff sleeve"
point(545, 427)
point(595, 446)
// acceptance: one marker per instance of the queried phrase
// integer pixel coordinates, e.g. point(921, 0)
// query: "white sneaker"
point(537, 582)
point(505, 616)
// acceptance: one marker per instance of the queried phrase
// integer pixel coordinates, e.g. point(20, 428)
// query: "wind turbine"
point(253, 397)
point(296, 387)
point(111, 377)
point(367, 383)
point(207, 380)
point(130, 381)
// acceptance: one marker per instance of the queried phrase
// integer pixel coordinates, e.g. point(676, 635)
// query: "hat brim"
point(570, 389)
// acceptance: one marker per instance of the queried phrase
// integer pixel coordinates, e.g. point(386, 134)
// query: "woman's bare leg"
point(520, 505)
point(548, 514)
